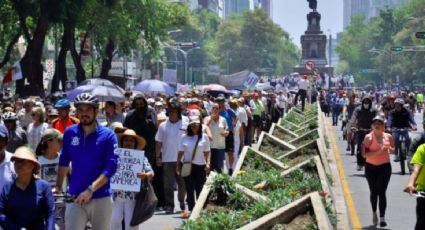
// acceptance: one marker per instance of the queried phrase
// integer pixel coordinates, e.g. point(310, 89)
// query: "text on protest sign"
point(130, 162)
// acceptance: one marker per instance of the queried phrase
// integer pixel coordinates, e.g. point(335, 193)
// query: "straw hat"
point(25, 153)
point(117, 127)
point(141, 142)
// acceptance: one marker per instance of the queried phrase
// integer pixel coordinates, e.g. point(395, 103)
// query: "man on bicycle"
point(400, 118)
point(361, 122)
point(348, 111)
point(417, 184)
point(91, 149)
point(415, 143)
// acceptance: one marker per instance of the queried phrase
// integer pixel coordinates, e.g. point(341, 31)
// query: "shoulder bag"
point(187, 166)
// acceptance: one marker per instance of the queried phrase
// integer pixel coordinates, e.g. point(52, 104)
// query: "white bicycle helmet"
point(86, 99)
point(9, 116)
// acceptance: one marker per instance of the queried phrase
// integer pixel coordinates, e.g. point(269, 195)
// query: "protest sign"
point(130, 162)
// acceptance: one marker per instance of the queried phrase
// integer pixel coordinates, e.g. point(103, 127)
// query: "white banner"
point(234, 81)
point(130, 162)
point(169, 76)
point(251, 81)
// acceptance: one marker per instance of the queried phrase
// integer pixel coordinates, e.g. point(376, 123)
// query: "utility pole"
point(330, 50)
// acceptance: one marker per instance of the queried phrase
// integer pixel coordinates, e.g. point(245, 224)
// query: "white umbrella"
point(154, 86)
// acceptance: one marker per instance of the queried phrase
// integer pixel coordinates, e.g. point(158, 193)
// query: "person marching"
point(377, 147)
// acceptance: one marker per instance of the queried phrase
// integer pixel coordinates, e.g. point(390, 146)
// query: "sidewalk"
point(400, 213)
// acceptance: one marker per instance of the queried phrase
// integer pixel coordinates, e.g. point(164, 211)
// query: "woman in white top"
point(201, 160)
point(36, 128)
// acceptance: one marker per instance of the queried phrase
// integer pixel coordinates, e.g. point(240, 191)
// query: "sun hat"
point(48, 134)
point(25, 153)
point(141, 142)
point(117, 127)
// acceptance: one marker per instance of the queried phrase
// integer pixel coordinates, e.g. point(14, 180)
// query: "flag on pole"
point(13, 74)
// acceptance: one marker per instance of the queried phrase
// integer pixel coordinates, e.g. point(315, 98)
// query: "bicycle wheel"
point(403, 158)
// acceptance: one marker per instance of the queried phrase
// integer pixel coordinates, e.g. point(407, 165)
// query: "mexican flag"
point(14, 73)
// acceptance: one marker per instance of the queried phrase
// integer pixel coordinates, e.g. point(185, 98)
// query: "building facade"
point(235, 7)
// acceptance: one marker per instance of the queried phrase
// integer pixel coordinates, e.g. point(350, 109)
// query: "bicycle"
point(61, 199)
point(402, 148)
point(359, 134)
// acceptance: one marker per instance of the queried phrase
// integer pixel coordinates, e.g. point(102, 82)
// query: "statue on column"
point(312, 4)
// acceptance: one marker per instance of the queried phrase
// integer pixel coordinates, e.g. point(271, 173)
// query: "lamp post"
point(185, 54)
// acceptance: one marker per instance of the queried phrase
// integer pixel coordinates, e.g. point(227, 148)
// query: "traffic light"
point(396, 48)
point(420, 35)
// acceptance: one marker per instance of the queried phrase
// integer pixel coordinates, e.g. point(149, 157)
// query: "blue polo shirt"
point(228, 114)
point(91, 156)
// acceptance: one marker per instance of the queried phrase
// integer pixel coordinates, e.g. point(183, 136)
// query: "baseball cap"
point(194, 120)
point(48, 134)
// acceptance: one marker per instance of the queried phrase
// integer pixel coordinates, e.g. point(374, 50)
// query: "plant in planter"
point(305, 138)
point(227, 207)
point(282, 133)
point(272, 146)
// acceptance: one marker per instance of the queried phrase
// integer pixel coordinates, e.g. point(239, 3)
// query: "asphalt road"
point(400, 213)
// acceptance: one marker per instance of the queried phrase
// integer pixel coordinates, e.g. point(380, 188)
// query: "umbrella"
point(102, 82)
point(103, 93)
point(215, 87)
point(154, 86)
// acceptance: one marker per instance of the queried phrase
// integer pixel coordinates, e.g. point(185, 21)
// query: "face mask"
point(366, 106)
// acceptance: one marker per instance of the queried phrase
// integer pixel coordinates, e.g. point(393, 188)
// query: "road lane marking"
point(355, 220)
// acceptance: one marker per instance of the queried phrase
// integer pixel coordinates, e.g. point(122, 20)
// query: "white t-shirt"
point(170, 134)
point(218, 142)
point(188, 144)
point(49, 169)
point(303, 84)
point(7, 171)
point(34, 134)
point(242, 115)
point(281, 101)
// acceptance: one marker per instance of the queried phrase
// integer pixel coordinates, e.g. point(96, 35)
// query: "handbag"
point(187, 166)
point(146, 202)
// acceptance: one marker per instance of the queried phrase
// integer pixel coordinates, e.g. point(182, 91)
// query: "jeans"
point(194, 184)
point(378, 177)
point(396, 136)
point(169, 178)
point(98, 212)
point(420, 213)
point(158, 185)
point(335, 115)
point(217, 158)
point(359, 140)
point(123, 209)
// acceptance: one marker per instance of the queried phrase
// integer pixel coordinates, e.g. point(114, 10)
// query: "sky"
point(291, 15)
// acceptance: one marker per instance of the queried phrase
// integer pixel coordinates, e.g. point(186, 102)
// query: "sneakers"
point(359, 168)
point(375, 219)
point(185, 214)
point(382, 222)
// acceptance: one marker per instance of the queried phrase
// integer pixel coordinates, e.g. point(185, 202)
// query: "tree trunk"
point(107, 61)
point(76, 57)
point(60, 75)
point(31, 62)
point(9, 49)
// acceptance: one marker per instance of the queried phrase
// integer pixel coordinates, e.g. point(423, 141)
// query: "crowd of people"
point(374, 125)
point(53, 146)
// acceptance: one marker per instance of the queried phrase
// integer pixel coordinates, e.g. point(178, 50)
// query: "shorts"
point(230, 142)
point(256, 122)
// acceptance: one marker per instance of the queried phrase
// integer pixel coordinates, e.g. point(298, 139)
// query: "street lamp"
point(185, 54)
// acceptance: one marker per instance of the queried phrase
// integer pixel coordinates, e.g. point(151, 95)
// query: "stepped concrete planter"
point(203, 199)
point(248, 154)
point(305, 138)
point(305, 212)
point(282, 133)
point(272, 146)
